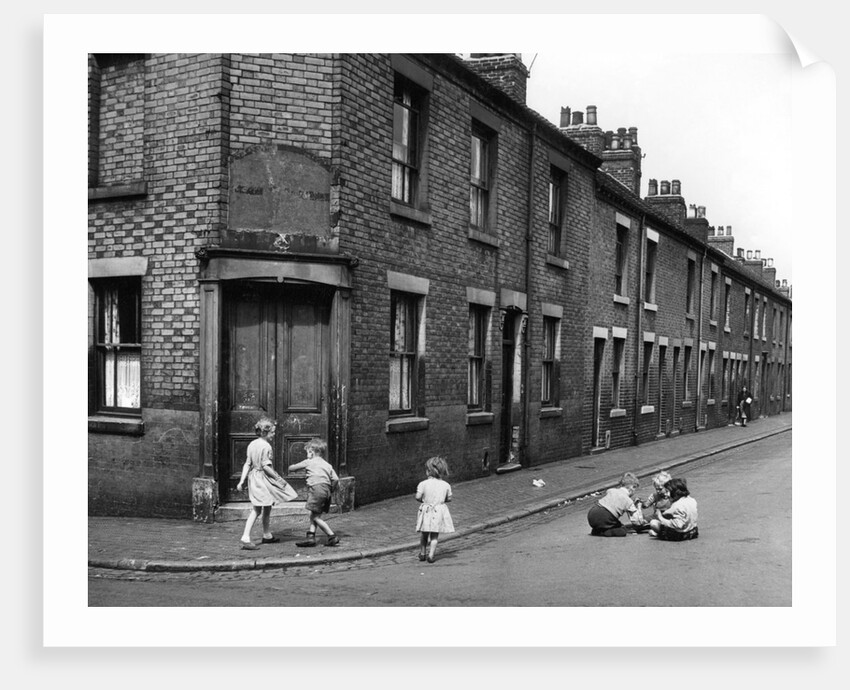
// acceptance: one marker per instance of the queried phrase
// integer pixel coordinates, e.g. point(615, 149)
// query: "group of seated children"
point(675, 510)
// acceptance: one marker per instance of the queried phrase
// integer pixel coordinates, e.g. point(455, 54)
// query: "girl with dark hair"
point(679, 521)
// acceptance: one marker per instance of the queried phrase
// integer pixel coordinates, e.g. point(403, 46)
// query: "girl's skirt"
point(266, 491)
point(434, 518)
point(669, 534)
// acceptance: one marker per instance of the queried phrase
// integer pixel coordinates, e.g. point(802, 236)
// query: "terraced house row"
point(395, 253)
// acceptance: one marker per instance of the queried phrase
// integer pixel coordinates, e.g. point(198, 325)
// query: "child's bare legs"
point(267, 514)
point(316, 521)
point(434, 537)
point(654, 527)
point(423, 545)
point(249, 524)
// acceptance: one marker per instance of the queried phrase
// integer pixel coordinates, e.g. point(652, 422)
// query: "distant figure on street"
point(604, 516)
point(659, 499)
point(265, 486)
point(679, 521)
point(433, 516)
point(322, 481)
point(744, 401)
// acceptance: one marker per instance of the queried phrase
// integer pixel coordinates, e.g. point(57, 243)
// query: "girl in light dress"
point(433, 516)
point(265, 486)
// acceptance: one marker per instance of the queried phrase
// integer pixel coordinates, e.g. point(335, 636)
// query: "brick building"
point(395, 253)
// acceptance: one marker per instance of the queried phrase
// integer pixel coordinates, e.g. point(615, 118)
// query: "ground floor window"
point(117, 344)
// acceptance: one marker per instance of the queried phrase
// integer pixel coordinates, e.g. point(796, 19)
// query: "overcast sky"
point(718, 121)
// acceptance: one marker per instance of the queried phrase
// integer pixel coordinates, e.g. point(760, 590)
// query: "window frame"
point(650, 270)
point(686, 374)
point(102, 346)
point(621, 262)
point(648, 348)
point(479, 323)
point(549, 370)
point(482, 189)
point(405, 89)
point(690, 293)
point(411, 303)
point(618, 354)
point(557, 211)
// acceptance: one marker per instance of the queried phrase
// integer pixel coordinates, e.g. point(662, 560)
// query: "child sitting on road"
point(659, 499)
point(604, 516)
point(679, 521)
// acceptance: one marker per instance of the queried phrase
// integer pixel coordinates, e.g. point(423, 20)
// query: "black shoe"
point(306, 543)
point(431, 559)
point(333, 540)
point(421, 556)
point(271, 540)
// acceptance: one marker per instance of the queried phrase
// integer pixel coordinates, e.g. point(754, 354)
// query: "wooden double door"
point(275, 363)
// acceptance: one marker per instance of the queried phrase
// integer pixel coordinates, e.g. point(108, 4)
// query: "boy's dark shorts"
point(318, 498)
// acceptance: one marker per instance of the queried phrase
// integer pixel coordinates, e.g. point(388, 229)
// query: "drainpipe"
point(699, 337)
point(526, 339)
point(638, 325)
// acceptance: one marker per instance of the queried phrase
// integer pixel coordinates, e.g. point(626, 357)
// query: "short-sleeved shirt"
point(434, 491)
point(618, 502)
point(681, 515)
point(319, 471)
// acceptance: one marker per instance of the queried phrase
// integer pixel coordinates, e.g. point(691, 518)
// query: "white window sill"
point(647, 409)
point(712, 323)
point(619, 299)
point(690, 317)
point(687, 403)
point(553, 260)
point(546, 412)
point(399, 425)
point(727, 329)
point(648, 306)
point(617, 412)
point(476, 418)
point(710, 401)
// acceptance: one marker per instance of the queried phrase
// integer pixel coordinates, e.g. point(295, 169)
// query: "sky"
point(714, 116)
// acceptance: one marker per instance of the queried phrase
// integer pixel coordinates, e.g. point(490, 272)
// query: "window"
point(712, 315)
point(647, 358)
point(550, 374)
point(479, 318)
point(689, 299)
point(781, 331)
point(746, 311)
point(687, 373)
point(403, 347)
point(408, 104)
point(775, 325)
point(711, 386)
point(118, 346)
point(482, 143)
point(723, 380)
point(651, 258)
point(557, 190)
point(621, 257)
point(756, 319)
point(727, 307)
point(702, 371)
point(764, 320)
point(756, 385)
point(617, 366)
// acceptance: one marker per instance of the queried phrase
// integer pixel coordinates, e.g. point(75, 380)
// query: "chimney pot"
point(749, 255)
point(578, 117)
point(770, 263)
point(609, 136)
point(728, 229)
point(591, 114)
point(778, 284)
point(633, 133)
point(784, 282)
point(652, 189)
point(676, 187)
point(615, 141)
point(758, 254)
point(565, 117)
point(701, 214)
point(740, 253)
point(627, 141)
point(665, 186)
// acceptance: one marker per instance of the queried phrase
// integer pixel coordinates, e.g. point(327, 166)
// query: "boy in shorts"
point(322, 480)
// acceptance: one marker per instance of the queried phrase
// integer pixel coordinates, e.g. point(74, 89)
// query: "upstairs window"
point(118, 344)
point(746, 311)
point(727, 307)
point(481, 177)
point(691, 286)
point(557, 191)
point(621, 259)
point(408, 105)
point(647, 359)
point(756, 302)
point(712, 313)
point(651, 259)
point(711, 358)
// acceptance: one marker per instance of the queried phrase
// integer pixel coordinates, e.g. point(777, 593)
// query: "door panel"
point(275, 363)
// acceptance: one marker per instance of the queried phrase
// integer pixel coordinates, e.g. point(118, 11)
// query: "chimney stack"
point(585, 133)
point(505, 71)
point(723, 240)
